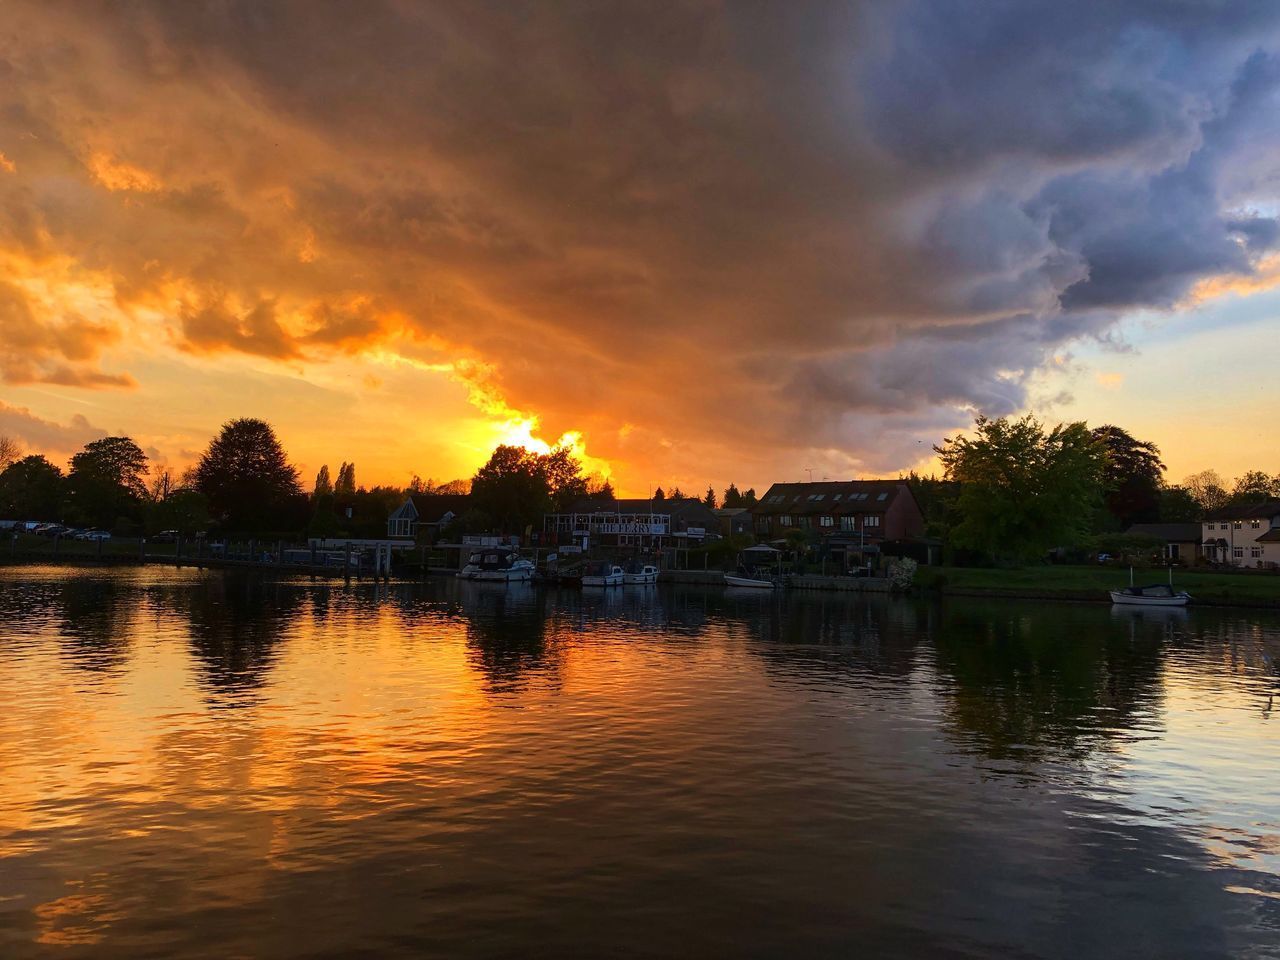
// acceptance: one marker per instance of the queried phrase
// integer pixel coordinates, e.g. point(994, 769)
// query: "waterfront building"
point(1246, 535)
point(850, 520)
point(424, 515)
point(645, 525)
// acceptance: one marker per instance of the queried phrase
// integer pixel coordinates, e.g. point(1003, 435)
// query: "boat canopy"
point(761, 548)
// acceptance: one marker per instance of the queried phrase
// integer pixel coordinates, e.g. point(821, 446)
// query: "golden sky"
point(706, 244)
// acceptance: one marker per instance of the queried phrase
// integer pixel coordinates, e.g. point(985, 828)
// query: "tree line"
point(1017, 489)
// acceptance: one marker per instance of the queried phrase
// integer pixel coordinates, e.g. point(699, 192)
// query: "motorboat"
point(1152, 595)
point(494, 565)
point(759, 567)
point(641, 575)
point(1155, 595)
point(604, 575)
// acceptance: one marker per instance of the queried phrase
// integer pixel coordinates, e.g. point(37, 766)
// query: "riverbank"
point(1091, 583)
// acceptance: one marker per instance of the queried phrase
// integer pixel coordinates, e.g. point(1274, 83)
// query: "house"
point(734, 521)
point(1247, 535)
point(423, 515)
point(1181, 541)
point(636, 523)
point(850, 518)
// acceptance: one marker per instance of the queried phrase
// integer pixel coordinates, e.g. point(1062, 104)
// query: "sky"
point(701, 242)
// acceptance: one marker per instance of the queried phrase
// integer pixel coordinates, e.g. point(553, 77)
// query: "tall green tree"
point(1177, 505)
point(31, 489)
point(1132, 477)
point(345, 485)
point(248, 480)
point(107, 482)
point(709, 498)
point(1024, 490)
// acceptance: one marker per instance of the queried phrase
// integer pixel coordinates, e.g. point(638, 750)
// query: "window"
point(1238, 524)
point(784, 520)
point(827, 521)
point(871, 521)
point(1238, 553)
point(1224, 526)
point(1256, 524)
point(849, 523)
point(837, 497)
point(1255, 552)
point(883, 496)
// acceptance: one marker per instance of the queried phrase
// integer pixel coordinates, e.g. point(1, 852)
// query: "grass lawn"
point(1092, 582)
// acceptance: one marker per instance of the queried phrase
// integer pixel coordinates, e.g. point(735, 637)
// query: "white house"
point(1243, 536)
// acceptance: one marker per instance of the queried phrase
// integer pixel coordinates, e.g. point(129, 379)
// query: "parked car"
point(165, 536)
point(94, 535)
point(1105, 558)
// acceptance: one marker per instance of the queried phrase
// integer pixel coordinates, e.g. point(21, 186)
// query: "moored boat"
point(759, 567)
point(746, 579)
point(496, 565)
point(1152, 595)
point(641, 575)
point(604, 575)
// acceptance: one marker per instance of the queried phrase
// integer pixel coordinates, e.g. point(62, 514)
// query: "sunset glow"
point(404, 234)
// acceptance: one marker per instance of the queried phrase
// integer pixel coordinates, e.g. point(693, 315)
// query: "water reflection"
point(464, 769)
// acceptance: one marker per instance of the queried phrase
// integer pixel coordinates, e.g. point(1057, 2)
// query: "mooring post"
point(346, 563)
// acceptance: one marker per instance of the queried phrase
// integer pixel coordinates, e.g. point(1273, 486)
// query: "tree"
point(324, 486)
point(600, 488)
point(1208, 489)
point(162, 486)
point(249, 482)
point(183, 510)
point(709, 499)
point(749, 497)
point(1255, 487)
point(346, 482)
point(677, 494)
point(732, 497)
point(1177, 505)
point(512, 488)
point(563, 473)
point(659, 495)
point(106, 481)
point(10, 451)
point(1132, 478)
point(1023, 490)
point(31, 489)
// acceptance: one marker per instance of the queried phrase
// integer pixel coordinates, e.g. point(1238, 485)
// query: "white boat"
point(1155, 595)
point(604, 575)
point(749, 580)
point(494, 565)
point(759, 567)
point(1152, 595)
point(646, 574)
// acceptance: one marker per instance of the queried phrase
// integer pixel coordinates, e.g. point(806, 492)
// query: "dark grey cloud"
point(852, 219)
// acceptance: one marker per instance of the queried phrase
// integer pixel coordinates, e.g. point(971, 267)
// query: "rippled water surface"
point(214, 765)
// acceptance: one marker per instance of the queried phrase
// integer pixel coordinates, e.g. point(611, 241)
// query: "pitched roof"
point(687, 508)
point(432, 507)
point(1246, 511)
point(1168, 532)
point(1271, 536)
point(831, 497)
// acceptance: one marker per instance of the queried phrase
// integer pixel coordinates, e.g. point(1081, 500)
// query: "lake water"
point(220, 765)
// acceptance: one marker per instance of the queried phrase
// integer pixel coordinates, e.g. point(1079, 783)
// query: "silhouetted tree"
point(659, 495)
point(732, 496)
point(1132, 476)
point(1177, 505)
point(749, 497)
point(1255, 487)
point(1208, 489)
point(346, 482)
point(709, 498)
point(31, 489)
point(10, 451)
point(324, 486)
point(563, 473)
point(106, 481)
point(512, 488)
point(250, 484)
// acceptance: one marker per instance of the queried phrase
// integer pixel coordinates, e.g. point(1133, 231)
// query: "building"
point(646, 525)
point(423, 515)
point(734, 521)
point(1247, 535)
point(1181, 541)
point(850, 519)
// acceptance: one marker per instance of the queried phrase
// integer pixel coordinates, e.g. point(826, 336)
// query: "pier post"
point(346, 563)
